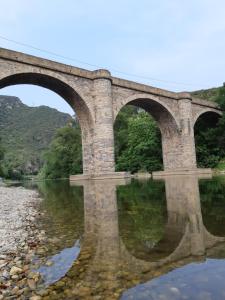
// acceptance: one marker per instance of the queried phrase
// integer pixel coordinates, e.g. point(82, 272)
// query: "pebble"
point(36, 297)
point(49, 263)
point(15, 270)
point(32, 284)
point(175, 291)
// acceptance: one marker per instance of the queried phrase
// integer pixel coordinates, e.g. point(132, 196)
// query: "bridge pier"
point(98, 158)
point(179, 155)
point(103, 128)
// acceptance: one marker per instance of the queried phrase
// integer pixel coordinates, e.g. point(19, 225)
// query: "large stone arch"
point(60, 86)
point(167, 121)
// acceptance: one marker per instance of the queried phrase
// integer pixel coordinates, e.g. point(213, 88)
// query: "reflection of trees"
point(64, 206)
point(142, 216)
point(213, 204)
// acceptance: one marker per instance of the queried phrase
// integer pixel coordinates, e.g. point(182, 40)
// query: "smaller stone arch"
point(204, 120)
point(209, 111)
point(144, 101)
point(167, 121)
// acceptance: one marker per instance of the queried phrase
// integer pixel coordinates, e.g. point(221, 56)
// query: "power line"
point(46, 51)
point(93, 65)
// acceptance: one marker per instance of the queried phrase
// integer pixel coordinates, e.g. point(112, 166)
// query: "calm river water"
point(155, 239)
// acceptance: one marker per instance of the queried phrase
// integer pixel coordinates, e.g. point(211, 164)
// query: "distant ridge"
point(209, 94)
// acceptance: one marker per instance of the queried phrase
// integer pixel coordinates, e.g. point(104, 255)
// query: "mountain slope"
point(209, 94)
point(27, 131)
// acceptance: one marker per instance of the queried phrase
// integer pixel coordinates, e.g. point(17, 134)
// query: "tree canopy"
point(64, 156)
point(142, 151)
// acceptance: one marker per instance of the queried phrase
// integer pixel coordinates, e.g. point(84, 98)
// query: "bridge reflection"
point(105, 268)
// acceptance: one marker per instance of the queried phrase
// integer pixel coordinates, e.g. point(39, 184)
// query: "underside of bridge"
point(97, 97)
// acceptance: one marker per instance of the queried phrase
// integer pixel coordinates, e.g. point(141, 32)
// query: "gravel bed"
point(19, 243)
point(17, 211)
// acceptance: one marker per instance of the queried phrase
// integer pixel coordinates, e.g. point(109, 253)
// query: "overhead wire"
point(94, 65)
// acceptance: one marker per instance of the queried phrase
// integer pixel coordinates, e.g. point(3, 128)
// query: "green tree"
point(220, 99)
point(143, 149)
point(206, 139)
point(219, 132)
point(64, 156)
point(121, 128)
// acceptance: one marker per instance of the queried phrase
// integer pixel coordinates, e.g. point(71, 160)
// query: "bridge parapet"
point(206, 103)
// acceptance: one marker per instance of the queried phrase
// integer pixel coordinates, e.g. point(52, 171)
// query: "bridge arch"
point(167, 121)
point(151, 104)
point(206, 112)
point(207, 141)
point(71, 96)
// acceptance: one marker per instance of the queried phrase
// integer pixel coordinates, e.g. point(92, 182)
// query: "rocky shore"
point(20, 239)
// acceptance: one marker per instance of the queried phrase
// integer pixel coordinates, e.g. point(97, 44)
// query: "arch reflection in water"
point(189, 280)
point(105, 269)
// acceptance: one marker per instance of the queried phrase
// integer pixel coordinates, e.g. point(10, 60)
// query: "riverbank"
point(19, 209)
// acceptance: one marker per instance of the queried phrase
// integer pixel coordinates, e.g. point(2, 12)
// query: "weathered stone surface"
point(97, 98)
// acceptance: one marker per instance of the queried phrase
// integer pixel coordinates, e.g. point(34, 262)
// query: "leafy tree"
point(220, 99)
point(142, 216)
point(212, 204)
point(64, 156)
point(121, 128)
point(143, 148)
point(219, 131)
point(207, 147)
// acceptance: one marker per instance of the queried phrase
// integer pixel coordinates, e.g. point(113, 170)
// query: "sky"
point(171, 44)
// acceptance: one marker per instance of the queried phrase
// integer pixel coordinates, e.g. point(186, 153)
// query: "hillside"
point(209, 94)
point(26, 132)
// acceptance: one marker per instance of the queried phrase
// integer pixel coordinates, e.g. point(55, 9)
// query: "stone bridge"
point(97, 97)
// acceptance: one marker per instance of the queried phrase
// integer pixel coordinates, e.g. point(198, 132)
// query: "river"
point(140, 239)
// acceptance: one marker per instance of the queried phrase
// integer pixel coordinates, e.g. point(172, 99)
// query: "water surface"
point(162, 239)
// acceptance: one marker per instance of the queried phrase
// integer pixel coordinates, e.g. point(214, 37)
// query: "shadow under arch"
point(149, 103)
point(206, 138)
point(167, 122)
point(71, 96)
point(157, 109)
point(211, 115)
